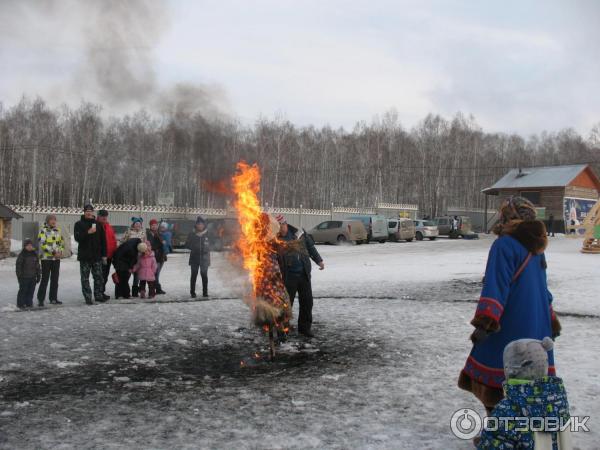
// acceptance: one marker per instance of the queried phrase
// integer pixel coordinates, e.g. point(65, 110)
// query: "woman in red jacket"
point(111, 246)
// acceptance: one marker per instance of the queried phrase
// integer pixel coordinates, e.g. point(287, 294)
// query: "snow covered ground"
point(392, 335)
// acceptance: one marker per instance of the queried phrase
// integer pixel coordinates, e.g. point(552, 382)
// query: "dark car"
point(222, 233)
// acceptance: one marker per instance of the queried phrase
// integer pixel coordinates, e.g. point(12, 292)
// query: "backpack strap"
point(522, 267)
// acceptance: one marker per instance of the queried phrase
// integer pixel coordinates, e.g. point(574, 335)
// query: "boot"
point(193, 294)
point(151, 291)
point(305, 331)
point(159, 290)
point(135, 290)
point(204, 289)
point(142, 293)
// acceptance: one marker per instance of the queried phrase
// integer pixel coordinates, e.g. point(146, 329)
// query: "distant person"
point(145, 268)
point(51, 247)
point(455, 223)
point(156, 242)
point(111, 247)
point(551, 225)
point(29, 274)
point(529, 392)
point(91, 254)
point(294, 259)
point(167, 237)
point(515, 302)
point(197, 242)
point(124, 259)
point(135, 231)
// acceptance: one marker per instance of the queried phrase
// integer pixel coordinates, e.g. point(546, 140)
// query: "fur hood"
point(531, 234)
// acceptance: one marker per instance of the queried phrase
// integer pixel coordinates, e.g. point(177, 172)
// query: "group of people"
point(510, 368)
point(141, 253)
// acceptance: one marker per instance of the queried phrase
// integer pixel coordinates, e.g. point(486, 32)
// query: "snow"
point(392, 326)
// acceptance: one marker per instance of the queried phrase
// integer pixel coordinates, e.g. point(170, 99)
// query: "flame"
point(269, 302)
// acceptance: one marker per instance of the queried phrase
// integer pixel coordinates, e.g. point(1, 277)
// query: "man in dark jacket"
point(91, 253)
point(124, 259)
point(156, 241)
point(29, 273)
point(294, 259)
point(197, 242)
point(551, 225)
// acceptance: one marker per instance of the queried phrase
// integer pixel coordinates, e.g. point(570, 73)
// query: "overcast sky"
point(522, 66)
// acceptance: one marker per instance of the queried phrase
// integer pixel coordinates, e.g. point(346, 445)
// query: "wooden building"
point(6, 217)
point(566, 192)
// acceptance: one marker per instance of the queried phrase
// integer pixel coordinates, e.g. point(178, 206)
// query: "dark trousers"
point(203, 274)
point(151, 287)
point(122, 289)
point(96, 270)
point(26, 291)
point(50, 271)
point(300, 283)
point(106, 273)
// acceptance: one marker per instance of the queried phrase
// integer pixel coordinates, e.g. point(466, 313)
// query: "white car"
point(426, 229)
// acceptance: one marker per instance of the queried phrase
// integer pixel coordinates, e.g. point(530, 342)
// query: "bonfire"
point(257, 245)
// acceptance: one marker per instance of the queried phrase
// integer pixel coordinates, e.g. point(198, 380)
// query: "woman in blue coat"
point(515, 302)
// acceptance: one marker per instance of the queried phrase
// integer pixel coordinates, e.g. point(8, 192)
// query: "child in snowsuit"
point(145, 268)
point(529, 392)
point(515, 302)
point(29, 274)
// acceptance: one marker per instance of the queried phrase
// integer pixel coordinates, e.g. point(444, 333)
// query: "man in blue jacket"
point(294, 259)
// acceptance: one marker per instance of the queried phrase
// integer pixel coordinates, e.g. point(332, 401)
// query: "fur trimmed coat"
point(515, 303)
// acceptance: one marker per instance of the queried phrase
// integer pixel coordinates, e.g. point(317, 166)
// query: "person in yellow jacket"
point(51, 247)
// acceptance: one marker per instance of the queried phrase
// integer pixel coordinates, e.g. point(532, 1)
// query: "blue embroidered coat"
point(515, 296)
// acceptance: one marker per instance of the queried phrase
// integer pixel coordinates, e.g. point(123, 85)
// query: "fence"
point(121, 214)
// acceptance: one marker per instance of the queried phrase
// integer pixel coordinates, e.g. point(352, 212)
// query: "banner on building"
point(576, 210)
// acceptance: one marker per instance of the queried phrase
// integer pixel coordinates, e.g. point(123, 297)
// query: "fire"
point(269, 301)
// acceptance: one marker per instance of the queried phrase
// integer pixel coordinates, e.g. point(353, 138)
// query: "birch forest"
point(64, 156)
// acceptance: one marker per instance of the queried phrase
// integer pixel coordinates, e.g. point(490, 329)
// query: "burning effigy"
point(268, 300)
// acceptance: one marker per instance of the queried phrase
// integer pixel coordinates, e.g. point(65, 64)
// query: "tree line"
point(80, 153)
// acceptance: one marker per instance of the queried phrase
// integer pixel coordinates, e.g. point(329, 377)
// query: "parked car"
point(376, 226)
point(222, 233)
point(426, 229)
point(119, 231)
point(454, 226)
point(339, 232)
point(401, 230)
point(180, 229)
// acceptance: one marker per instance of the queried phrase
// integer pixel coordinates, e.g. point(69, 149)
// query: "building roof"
point(538, 177)
point(7, 213)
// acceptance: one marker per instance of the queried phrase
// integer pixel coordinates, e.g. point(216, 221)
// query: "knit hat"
point(199, 219)
point(136, 220)
point(527, 359)
point(88, 207)
point(142, 248)
point(517, 208)
point(103, 213)
point(164, 225)
point(280, 219)
point(153, 222)
point(26, 242)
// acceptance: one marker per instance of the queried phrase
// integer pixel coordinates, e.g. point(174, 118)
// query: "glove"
point(479, 335)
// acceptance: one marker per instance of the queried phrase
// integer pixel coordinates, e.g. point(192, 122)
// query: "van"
point(454, 226)
point(376, 226)
point(339, 232)
point(401, 230)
